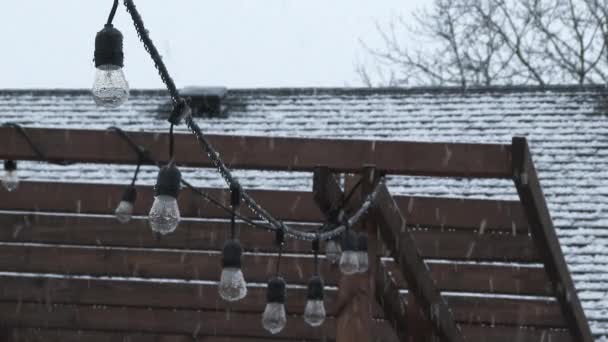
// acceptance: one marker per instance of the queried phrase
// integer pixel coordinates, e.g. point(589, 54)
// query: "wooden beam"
point(64, 335)
point(161, 321)
point(327, 192)
point(295, 154)
point(459, 244)
point(531, 195)
point(425, 212)
point(201, 265)
point(353, 304)
point(131, 292)
point(403, 248)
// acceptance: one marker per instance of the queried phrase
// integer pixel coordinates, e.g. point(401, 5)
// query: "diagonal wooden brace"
point(400, 242)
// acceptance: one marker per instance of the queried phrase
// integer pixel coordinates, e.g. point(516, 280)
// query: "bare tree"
point(486, 42)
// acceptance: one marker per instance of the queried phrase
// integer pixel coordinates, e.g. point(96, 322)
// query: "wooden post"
point(355, 292)
point(543, 233)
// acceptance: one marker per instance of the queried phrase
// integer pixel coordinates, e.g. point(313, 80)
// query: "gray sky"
point(234, 43)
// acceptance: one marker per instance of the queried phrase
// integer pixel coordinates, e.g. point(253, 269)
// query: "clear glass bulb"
point(110, 88)
point(363, 261)
point(349, 262)
point(333, 251)
point(124, 211)
point(10, 181)
point(314, 313)
point(274, 317)
point(232, 285)
point(164, 214)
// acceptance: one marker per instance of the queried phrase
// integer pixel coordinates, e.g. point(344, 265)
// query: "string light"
point(333, 251)
point(110, 88)
point(164, 215)
point(274, 317)
point(10, 180)
point(314, 312)
point(232, 286)
point(124, 211)
point(349, 261)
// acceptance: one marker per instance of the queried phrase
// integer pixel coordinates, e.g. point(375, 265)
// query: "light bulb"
point(349, 261)
point(274, 318)
point(362, 253)
point(332, 251)
point(110, 88)
point(314, 312)
point(124, 211)
point(232, 286)
point(164, 214)
point(10, 180)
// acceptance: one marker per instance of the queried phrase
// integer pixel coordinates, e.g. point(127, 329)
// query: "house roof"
point(567, 128)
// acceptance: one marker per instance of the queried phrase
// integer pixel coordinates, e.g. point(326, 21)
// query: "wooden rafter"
point(541, 227)
point(295, 154)
point(402, 246)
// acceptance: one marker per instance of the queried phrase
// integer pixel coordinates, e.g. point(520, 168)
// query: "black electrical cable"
point(280, 241)
point(37, 150)
point(315, 249)
point(180, 107)
point(136, 173)
point(171, 143)
point(112, 13)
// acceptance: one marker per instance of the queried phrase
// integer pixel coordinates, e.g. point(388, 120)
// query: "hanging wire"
point(280, 241)
point(112, 13)
point(40, 154)
point(235, 201)
point(136, 173)
point(315, 249)
point(171, 143)
point(179, 104)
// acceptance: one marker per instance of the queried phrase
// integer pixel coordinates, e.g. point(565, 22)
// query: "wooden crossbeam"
point(425, 212)
point(294, 154)
point(131, 292)
point(184, 264)
point(64, 335)
point(403, 248)
point(161, 321)
point(460, 244)
point(543, 231)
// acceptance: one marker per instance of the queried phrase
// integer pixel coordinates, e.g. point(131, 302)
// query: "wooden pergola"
point(442, 269)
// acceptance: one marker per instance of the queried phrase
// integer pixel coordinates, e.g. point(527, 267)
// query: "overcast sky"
point(233, 43)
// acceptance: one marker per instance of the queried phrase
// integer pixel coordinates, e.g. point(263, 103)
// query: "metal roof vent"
point(205, 101)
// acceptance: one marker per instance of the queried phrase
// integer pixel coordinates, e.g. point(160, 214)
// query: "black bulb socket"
point(362, 242)
point(315, 288)
point(349, 241)
point(231, 255)
point(168, 181)
point(130, 194)
point(276, 290)
point(10, 165)
point(108, 47)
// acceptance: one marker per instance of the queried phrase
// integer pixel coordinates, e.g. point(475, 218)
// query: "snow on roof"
point(567, 128)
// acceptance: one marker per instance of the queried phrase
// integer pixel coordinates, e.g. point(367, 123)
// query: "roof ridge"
point(575, 88)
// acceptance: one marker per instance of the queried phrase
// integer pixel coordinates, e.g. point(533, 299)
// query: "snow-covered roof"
point(567, 128)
